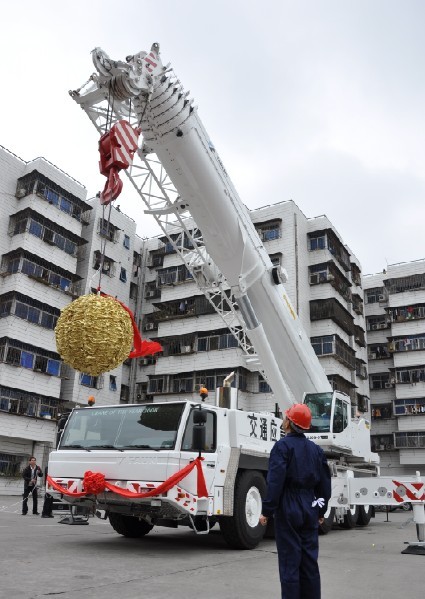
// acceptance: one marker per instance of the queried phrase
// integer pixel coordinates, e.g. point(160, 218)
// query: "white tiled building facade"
point(395, 317)
point(323, 284)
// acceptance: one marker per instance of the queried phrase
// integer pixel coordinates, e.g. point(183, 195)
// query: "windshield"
point(320, 405)
point(137, 427)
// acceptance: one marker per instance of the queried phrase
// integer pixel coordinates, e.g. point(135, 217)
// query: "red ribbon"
point(95, 483)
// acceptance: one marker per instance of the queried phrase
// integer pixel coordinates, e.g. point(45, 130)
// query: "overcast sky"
point(318, 101)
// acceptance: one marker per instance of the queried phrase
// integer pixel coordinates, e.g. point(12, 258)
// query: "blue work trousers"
point(298, 550)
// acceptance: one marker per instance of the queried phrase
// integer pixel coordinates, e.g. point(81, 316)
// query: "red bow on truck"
point(117, 149)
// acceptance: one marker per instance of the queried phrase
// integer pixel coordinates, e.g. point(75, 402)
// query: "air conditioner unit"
point(382, 325)
point(149, 326)
point(143, 362)
point(388, 385)
point(186, 349)
point(21, 193)
point(151, 293)
point(381, 298)
point(330, 277)
point(373, 327)
point(372, 356)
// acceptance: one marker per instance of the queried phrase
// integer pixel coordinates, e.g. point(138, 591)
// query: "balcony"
point(332, 309)
point(327, 239)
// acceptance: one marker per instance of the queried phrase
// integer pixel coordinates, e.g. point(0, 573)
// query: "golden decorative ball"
point(94, 334)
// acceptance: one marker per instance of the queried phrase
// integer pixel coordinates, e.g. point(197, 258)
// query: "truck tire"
point(351, 517)
point(243, 530)
point(129, 526)
point(327, 524)
point(365, 514)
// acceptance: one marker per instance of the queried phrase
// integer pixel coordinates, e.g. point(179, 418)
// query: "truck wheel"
point(243, 530)
point(351, 517)
point(365, 514)
point(327, 524)
point(129, 526)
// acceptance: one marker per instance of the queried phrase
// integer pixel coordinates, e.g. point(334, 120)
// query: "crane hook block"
point(117, 148)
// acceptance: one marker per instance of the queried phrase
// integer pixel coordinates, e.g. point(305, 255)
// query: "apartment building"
point(42, 215)
point(324, 284)
point(109, 260)
point(55, 246)
point(395, 320)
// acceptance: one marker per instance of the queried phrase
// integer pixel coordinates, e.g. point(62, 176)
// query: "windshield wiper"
point(143, 447)
point(106, 447)
point(75, 446)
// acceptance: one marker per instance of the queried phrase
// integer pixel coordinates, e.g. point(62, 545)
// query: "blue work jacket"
point(297, 467)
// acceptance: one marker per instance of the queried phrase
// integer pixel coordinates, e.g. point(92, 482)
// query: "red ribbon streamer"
point(95, 483)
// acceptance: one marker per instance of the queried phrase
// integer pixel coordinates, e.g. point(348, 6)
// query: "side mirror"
point(199, 434)
point(199, 437)
point(199, 416)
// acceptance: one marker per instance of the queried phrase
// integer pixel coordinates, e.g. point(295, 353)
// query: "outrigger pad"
point(76, 520)
point(414, 550)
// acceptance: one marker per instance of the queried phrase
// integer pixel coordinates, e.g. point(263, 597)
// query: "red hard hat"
point(300, 415)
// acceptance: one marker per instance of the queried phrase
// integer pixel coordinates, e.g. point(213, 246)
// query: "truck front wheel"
point(129, 526)
point(243, 530)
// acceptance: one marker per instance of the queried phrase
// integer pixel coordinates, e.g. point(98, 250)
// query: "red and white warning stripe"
point(150, 62)
point(409, 490)
point(71, 485)
point(127, 137)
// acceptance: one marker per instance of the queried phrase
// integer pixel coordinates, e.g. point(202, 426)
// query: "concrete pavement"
point(41, 558)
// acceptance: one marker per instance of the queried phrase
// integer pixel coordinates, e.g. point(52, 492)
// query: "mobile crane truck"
point(141, 451)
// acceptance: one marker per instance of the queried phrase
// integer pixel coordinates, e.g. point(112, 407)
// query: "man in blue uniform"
point(299, 488)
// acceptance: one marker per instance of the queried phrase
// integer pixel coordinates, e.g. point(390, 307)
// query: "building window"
point(87, 380)
point(410, 375)
point(373, 296)
point(269, 231)
point(323, 345)
point(107, 264)
point(409, 407)
point(382, 442)
point(10, 464)
point(319, 273)
point(382, 411)
point(410, 440)
point(173, 275)
point(123, 275)
point(16, 353)
point(126, 242)
point(217, 341)
point(125, 394)
point(157, 385)
point(107, 230)
point(112, 383)
point(263, 385)
point(380, 381)
point(183, 383)
point(316, 242)
point(25, 403)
